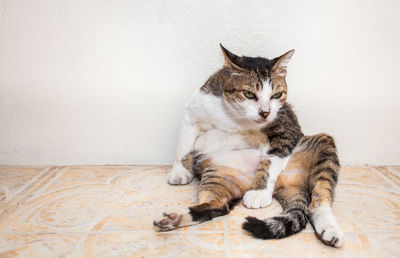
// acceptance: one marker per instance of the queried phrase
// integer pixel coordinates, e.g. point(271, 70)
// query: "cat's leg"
point(323, 178)
point(261, 194)
point(179, 175)
point(173, 220)
point(293, 196)
point(220, 188)
point(210, 207)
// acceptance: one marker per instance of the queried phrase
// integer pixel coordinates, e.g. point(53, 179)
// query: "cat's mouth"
point(260, 121)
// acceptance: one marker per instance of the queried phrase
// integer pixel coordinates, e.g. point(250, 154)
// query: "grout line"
point(395, 175)
point(28, 184)
point(371, 186)
point(17, 202)
point(124, 199)
point(227, 240)
point(385, 178)
point(51, 181)
point(22, 194)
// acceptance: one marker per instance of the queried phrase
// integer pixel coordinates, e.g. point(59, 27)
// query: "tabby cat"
point(241, 139)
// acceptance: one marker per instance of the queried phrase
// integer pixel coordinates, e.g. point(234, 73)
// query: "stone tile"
point(14, 179)
point(363, 175)
point(123, 176)
point(38, 245)
point(385, 244)
point(139, 214)
point(87, 198)
point(150, 244)
point(74, 209)
point(361, 207)
point(299, 245)
point(392, 173)
point(86, 211)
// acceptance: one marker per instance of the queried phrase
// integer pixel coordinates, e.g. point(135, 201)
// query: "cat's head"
point(253, 89)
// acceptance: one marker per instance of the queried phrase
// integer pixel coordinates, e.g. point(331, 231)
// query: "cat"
point(241, 138)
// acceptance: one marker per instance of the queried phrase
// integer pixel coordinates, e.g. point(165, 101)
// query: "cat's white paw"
point(330, 235)
point(179, 176)
point(326, 227)
point(255, 199)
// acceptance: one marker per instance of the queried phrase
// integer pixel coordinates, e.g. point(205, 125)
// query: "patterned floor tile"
point(391, 173)
point(299, 245)
point(107, 211)
point(38, 245)
point(385, 244)
point(150, 244)
point(74, 209)
point(139, 214)
point(360, 207)
point(364, 176)
point(15, 179)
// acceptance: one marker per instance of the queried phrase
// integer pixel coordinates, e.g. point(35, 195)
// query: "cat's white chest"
point(214, 140)
point(207, 111)
point(218, 130)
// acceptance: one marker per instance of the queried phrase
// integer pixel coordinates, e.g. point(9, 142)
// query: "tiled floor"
point(104, 211)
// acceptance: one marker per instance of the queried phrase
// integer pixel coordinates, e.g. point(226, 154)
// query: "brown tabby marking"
point(234, 83)
point(254, 138)
point(307, 172)
point(220, 189)
point(307, 182)
point(262, 175)
point(310, 176)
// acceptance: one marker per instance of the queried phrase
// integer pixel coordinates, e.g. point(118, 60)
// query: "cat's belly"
point(244, 160)
point(242, 150)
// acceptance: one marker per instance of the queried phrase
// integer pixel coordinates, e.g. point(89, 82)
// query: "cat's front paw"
point(179, 176)
point(255, 199)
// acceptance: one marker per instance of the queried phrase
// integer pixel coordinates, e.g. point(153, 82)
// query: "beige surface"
point(107, 211)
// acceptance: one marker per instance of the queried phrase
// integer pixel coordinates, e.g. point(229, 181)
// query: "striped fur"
point(318, 167)
point(254, 117)
point(284, 132)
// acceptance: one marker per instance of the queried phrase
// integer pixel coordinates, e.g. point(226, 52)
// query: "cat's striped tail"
point(315, 175)
point(293, 219)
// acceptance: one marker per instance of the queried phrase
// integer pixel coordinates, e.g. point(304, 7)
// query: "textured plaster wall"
point(100, 82)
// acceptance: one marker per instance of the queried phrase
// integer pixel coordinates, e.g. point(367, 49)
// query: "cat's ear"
point(280, 66)
point(231, 59)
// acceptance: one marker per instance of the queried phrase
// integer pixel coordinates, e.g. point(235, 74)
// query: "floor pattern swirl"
point(107, 211)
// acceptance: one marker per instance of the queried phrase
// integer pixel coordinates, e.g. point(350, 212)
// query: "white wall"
point(100, 82)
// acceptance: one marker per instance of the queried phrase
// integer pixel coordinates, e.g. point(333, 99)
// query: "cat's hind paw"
point(255, 199)
point(168, 221)
point(330, 234)
point(326, 227)
point(180, 176)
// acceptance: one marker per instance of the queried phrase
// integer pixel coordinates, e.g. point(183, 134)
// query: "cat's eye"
point(277, 95)
point(249, 94)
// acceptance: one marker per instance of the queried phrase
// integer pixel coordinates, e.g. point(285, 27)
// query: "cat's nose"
point(263, 114)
